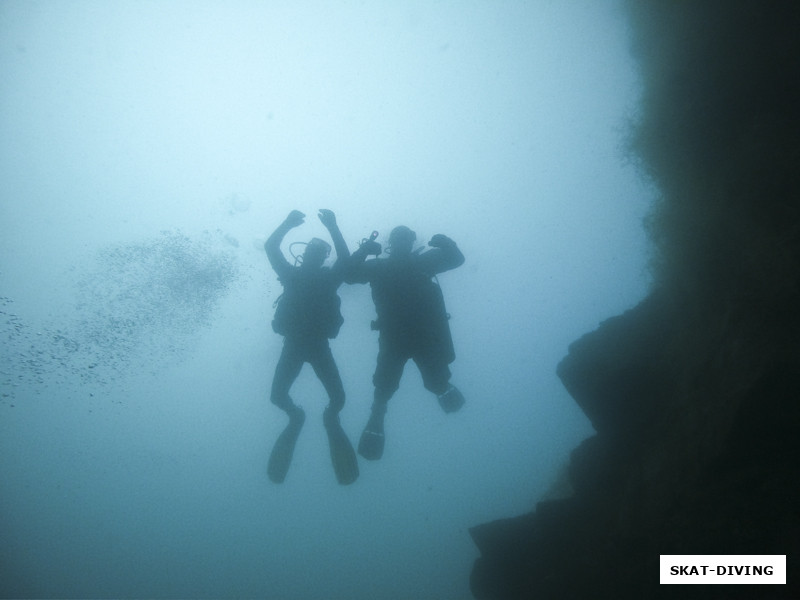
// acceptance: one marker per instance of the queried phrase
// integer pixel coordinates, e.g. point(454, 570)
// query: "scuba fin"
point(281, 456)
point(343, 457)
point(371, 444)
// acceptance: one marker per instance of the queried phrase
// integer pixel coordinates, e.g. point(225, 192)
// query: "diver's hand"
point(327, 217)
point(295, 218)
point(441, 241)
point(370, 247)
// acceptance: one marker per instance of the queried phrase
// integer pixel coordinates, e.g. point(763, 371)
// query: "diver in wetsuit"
point(308, 315)
point(412, 322)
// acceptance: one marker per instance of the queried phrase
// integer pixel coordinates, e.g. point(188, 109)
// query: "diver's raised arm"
point(273, 243)
point(328, 219)
point(444, 256)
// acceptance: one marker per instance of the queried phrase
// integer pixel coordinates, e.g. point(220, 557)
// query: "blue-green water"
point(148, 149)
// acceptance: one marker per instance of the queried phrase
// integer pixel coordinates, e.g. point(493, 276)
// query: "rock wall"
point(694, 394)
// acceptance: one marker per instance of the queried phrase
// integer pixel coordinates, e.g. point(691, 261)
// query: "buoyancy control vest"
point(309, 306)
point(411, 309)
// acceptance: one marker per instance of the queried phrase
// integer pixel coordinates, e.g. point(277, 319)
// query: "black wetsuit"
point(307, 316)
point(411, 316)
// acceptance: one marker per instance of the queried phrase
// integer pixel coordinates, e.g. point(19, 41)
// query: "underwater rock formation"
point(693, 394)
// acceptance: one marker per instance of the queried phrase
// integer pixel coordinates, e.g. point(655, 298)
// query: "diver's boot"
point(451, 399)
point(372, 441)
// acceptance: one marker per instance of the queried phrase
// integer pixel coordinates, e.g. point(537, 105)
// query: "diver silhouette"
point(308, 315)
point(412, 321)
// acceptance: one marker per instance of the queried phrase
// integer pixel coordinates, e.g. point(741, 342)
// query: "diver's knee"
point(336, 403)
point(281, 400)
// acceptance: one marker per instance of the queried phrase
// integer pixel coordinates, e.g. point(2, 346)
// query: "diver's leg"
point(343, 457)
point(388, 371)
point(386, 379)
point(289, 365)
point(436, 378)
point(328, 373)
point(378, 412)
point(286, 371)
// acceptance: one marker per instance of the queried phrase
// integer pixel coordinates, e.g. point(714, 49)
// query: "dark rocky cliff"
point(695, 393)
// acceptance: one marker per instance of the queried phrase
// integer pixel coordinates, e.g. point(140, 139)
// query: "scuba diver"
point(308, 315)
point(412, 321)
